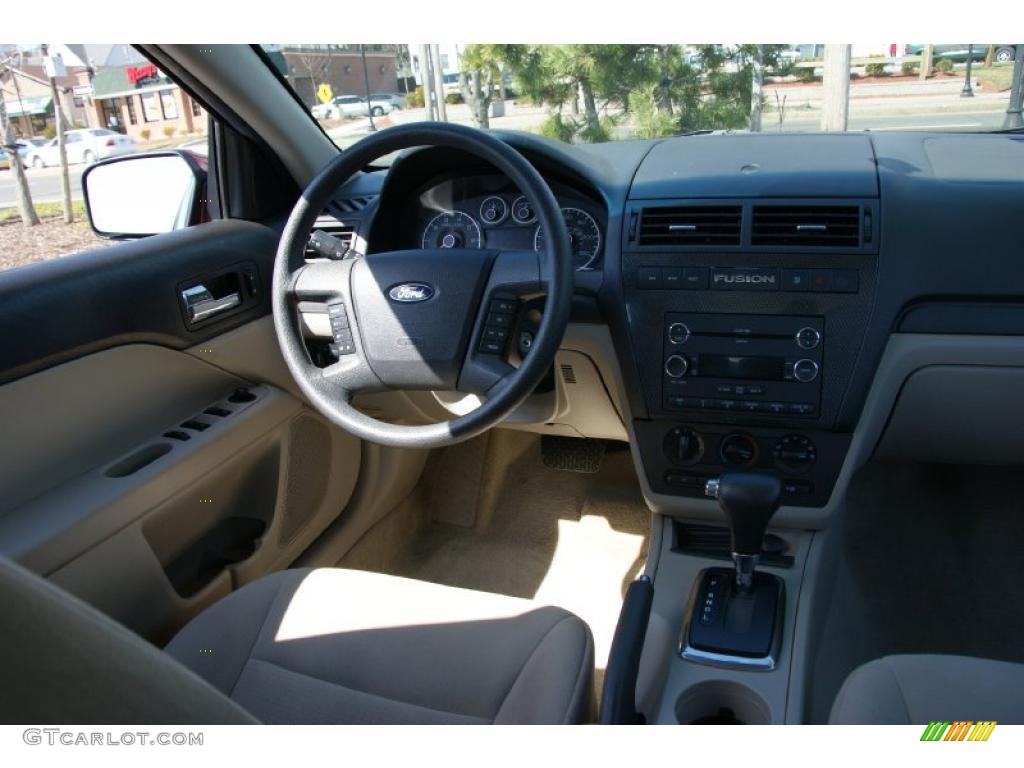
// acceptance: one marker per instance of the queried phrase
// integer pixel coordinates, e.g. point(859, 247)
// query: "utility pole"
point(28, 212)
point(1014, 118)
point(442, 105)
point(54, 66)
point(366, 86)
point(836, 85)
point(425, 81)
point(925, 70)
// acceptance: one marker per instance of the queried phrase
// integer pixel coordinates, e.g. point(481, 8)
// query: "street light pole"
point(967, 91)
point(366, 85)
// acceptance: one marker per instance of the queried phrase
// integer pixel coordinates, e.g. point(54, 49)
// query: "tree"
point(316, 63)
point(29, 217)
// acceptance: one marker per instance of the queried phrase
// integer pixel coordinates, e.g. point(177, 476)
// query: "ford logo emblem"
point(410, 293)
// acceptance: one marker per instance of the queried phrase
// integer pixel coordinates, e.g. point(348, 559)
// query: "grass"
point(999, 77)
point(45, 211)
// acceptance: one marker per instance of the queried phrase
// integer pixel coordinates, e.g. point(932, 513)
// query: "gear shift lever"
point(748, 499)
point(735, 615)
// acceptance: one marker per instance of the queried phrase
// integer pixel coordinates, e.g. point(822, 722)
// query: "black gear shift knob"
point(748, 499)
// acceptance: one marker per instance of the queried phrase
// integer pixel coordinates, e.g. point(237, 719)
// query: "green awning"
point(29, 105)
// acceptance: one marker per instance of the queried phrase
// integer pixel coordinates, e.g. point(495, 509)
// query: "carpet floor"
point(930, 563)
point(490, 515)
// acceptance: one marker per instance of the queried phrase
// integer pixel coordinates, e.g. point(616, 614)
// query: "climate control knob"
point(676, 366)
point(805, 370)
point(738, 450)
point(683, 446)
point(795, 453)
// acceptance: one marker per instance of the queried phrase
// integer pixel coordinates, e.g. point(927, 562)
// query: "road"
point(44, 183)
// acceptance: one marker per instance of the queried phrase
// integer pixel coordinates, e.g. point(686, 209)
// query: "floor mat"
point(571, 539)
point(930, 564)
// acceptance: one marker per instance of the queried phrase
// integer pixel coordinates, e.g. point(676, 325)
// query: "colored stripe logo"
point(960, 730)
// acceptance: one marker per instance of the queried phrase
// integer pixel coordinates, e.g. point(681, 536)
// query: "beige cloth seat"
point(921, 689)
point(298, 646)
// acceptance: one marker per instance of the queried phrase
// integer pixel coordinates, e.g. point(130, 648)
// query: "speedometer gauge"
point(584, 237)
point(452, 229)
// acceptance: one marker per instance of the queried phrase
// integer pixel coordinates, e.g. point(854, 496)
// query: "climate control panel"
point(680, 458)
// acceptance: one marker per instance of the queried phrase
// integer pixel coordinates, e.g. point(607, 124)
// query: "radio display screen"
point(734, 367)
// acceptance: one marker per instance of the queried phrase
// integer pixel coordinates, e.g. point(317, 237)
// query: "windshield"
point(596, 93)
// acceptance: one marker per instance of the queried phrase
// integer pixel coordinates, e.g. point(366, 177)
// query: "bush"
point(944, 65)
point(168, 131)
point(648, 122)
point(49, 132)
point(806, 74)
point(454, 98)
point(908, 68)
point(145, 133)
point(415, 99)
point(876, 69)
point(554, 127)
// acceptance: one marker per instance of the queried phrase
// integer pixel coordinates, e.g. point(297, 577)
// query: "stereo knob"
point(676, 366)
point(805, 370)
point(808, 338)
point(678, 333)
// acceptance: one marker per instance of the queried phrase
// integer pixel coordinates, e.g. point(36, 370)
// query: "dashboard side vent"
point(330, 225)
point(835, 226)
point(354, 204)
point(694, 225)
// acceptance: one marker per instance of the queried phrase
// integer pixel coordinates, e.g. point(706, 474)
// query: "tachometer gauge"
point(522, 211)
point(584, 237)
point(452, 229)
point(493, 210)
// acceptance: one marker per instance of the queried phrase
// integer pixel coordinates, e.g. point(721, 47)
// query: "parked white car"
point(352, 106)
point(85, 145)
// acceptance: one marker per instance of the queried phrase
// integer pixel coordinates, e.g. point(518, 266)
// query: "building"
point(139, 100)
point(105, 86)
point(29, 100)
point(307, 67)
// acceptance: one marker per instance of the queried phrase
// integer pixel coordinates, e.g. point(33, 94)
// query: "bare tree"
point(25, 207)
point(316, 63)
point(477, 91)
point(756, 88)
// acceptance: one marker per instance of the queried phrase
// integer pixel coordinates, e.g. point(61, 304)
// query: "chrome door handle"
point(200, 304)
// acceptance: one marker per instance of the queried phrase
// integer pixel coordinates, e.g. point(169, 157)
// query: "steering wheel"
point(421, 319)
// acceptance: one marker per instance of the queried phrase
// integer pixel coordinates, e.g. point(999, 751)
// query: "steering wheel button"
point(491, 347)
point(495, 334)
point(499, 320)
point(503, 305)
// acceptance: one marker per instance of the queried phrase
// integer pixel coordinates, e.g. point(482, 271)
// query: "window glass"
point(151, 112)
point(169, 106)
point(606, 92)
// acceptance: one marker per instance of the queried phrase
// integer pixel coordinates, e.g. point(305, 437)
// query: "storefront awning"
point(29, 105)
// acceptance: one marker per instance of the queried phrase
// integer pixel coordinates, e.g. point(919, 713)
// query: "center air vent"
point(697, 225)
point(330, 225)
point(836, 226)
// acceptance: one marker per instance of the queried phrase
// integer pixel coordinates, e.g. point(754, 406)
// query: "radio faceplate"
point(757, 364)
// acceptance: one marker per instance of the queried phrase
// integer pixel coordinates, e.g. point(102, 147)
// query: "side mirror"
point(146, 194)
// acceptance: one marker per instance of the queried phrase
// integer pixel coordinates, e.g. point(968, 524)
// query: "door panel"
point(134, 474)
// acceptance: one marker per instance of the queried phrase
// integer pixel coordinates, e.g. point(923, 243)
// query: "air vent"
point(330, 225)
point(830, 226)
point(353, 204)
point(698, 225)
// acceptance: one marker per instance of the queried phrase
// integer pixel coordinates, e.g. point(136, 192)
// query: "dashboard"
point(760, 290)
